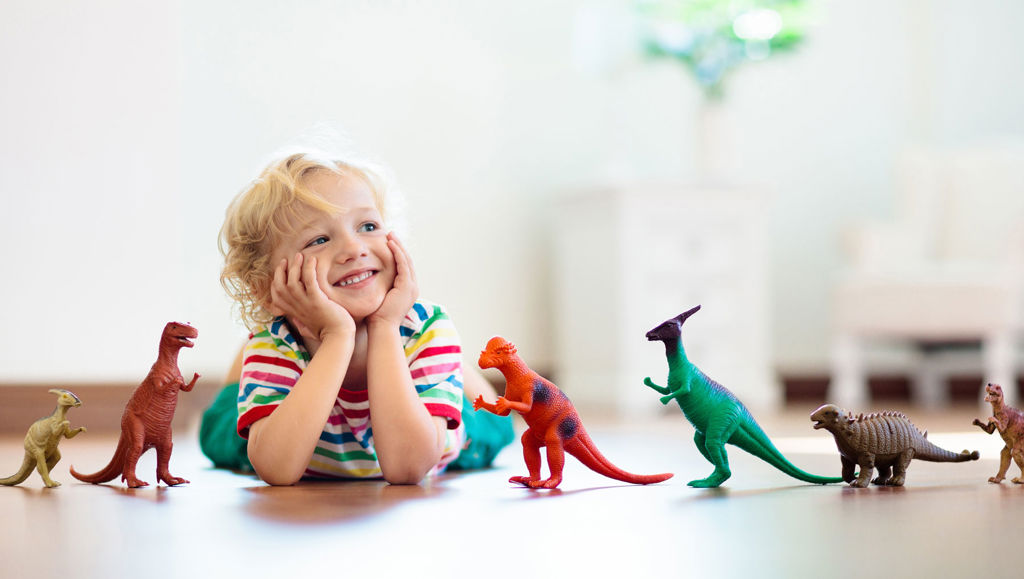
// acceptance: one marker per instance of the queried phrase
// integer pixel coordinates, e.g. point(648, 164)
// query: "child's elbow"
point(410, 471)
point(277, 479)
point(275, 474)
point(407, 475)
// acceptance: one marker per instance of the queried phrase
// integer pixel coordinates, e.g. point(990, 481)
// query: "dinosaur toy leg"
point(136, 446)
point(884, 476)
point(531, 455)
point(43, 468)
point(556, 462)
point(46, 467)
point(701, 442)
point(900, 469)
point(849, 469)
point(1018, 456)
point(163, 461)
point(1004, 465)
point(718, 433)
point(867, 466)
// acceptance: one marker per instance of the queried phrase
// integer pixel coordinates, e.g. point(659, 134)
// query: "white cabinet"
point(629, 258)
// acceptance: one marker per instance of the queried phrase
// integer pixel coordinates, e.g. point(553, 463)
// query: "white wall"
point(126, 127)
point(90, 231)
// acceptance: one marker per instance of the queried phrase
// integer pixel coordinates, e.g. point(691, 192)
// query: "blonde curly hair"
point(263, 212)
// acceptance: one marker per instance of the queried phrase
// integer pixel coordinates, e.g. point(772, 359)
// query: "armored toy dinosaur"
point(41, 442)
point(718, 417)
point(551, 419)
point(146, 421)
point(1010, 423)
point(886, 441)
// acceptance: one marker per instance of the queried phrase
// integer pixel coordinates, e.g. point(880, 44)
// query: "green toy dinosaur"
point(716, 414)
point(42, 439)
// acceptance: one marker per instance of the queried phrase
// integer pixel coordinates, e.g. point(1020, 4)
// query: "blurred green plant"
point(712, 37)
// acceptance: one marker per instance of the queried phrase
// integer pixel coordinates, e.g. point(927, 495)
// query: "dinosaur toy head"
point(179, 335)
point(993, 393)
point(830, 417)
point(66, 398)
point(496, 353)
point(671, 329)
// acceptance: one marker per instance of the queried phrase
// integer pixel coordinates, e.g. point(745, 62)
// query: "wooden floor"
point(947, 522)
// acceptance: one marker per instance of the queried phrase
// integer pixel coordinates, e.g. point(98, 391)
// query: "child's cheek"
point(388, 276)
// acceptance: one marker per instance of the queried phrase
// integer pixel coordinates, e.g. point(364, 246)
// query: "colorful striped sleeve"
point(271, 365)
point(434, 354)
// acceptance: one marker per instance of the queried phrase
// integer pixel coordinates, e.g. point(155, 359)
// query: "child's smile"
point(356, 280)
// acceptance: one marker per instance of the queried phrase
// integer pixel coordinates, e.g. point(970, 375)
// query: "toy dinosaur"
point(146, 421)
point(1010, 423)
point(41, 442)
point(717, 416)
point(886, 441)
point(551, 419)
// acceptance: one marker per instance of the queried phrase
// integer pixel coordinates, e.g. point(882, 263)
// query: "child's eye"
point(318, 241)
point(368, 227)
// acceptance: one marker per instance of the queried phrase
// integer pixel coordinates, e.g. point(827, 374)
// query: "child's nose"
point(351, 247)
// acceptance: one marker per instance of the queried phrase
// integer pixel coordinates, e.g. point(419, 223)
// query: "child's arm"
point(281, 444)
point(409, 441)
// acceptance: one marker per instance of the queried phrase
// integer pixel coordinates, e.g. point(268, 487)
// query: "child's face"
point(355, 268)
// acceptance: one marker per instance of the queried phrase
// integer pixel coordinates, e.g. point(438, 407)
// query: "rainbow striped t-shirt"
point(274, 360)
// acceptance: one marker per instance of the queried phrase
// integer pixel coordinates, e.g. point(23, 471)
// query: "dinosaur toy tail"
point(583, 449)
point(114, 468)
point(934, 453)
point(22, 474)
point(759, 445)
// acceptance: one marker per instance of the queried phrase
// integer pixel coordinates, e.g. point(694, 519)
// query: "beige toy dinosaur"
point(42, 439)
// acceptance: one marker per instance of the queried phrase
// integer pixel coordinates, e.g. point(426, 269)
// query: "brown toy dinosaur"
point(146, 422)
point(41, 442)
point(1010, 423)
point(886, 441)
point(552, 420)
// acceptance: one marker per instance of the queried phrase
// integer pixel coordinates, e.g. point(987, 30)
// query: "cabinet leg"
point(848, 387)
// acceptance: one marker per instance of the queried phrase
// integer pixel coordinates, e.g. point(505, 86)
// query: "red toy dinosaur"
point(551, 418)
point(146, 422)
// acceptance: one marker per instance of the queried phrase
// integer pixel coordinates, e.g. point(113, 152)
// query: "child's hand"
point(297, 294)
point(403, 293)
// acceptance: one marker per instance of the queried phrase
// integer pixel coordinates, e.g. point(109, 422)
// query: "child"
point(347, 373)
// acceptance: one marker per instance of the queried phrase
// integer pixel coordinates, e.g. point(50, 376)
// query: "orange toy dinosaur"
point(146, 421)
point(551, 418)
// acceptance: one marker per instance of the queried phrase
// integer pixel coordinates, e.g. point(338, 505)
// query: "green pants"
point(486, 433)
point(218, 432)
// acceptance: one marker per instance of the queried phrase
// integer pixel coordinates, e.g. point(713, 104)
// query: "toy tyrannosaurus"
point(1010, 423)
point(551, 419)
point(41, 442)
point(146, 421)
point(716, 414)
point(886, 441)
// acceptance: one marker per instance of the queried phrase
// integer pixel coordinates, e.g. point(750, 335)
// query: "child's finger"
point(278, 285)
point(295, 270)
point(403, 263)
point(281, 273)
point(309, 276)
